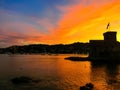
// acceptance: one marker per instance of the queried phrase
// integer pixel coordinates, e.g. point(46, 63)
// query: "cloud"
point(87, 19)
point(81, 21)
point(22, 29)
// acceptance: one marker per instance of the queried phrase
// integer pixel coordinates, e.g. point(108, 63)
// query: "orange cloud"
point(82, 22)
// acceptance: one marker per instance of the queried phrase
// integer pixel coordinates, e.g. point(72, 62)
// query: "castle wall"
point(105, 48)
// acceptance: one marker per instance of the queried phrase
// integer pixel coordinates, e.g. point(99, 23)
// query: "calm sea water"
point(55, 73)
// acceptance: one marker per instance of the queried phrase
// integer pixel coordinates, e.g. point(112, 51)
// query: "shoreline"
point(105, 60)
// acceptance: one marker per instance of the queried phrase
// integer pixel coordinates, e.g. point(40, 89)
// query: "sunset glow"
point(60, 21)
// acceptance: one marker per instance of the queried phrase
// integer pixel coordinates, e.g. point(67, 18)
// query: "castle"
point(107, 49)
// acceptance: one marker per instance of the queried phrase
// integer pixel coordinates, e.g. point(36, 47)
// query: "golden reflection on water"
point(56, 73)
point(98, 76)
point(80, 72)
point(106, 76)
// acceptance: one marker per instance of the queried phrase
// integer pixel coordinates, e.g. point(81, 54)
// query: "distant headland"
point(106, 49)
point(74, 48)
point(102, 50)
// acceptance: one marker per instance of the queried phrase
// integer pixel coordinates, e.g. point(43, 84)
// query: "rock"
point(77, 58)
point(82, 88)
point(88, 86)
point(23, 80)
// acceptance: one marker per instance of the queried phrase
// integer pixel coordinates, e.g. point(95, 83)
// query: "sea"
point(56, 73)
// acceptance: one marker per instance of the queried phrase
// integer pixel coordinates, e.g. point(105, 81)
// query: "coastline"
point(99, 59)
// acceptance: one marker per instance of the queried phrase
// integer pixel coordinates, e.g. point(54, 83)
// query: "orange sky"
point(77, 22)
point(80, 23)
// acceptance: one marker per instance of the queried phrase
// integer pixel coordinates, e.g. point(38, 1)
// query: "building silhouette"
point(106, 49)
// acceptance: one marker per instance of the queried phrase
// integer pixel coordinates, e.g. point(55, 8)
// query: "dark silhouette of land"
point(107, 50)
point(74, 48)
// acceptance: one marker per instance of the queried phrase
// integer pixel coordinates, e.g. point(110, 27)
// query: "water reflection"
point(55, 73)
point(106, 76)
point(112, 74)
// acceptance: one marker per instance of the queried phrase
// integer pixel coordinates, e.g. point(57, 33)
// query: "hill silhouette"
point(77, 47)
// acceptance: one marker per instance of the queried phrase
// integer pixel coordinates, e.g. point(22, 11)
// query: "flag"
point(108, 25)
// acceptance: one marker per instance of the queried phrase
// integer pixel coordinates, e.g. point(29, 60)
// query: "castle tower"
point(110, 36)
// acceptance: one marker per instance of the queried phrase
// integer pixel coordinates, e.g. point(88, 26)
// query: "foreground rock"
point(88, 86)
point(23, 80)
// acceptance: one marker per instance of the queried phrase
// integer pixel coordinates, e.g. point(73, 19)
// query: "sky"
point(24, 22)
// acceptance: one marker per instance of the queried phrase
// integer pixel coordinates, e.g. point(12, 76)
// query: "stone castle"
point(107, 49)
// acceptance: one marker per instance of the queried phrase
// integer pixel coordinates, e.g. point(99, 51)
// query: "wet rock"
point(23, 80)
point(77, 58)
point(88, 86)
point(82, 88)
